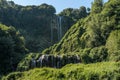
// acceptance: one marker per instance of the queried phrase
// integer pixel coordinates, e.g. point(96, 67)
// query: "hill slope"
point(97, 71)
point(95, 39)
point(37, 23)
point(93, 33)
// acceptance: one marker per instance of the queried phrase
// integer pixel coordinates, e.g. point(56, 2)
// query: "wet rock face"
point(54, 61)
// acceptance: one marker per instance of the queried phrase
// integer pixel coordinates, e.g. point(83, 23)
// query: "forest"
point(75, 44)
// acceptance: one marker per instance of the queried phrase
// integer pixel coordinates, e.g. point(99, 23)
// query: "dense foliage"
point(12, 48)
point(95, 39)
point(34, 23)
point(97, 71)
point(74, 14)
point(71, 16)
point(96, 35)
point(31, 22)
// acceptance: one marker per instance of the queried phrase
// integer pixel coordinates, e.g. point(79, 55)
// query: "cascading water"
point(54, 61)
point(59, 22)
point(33, 63)
point(56, 23)
point(51, 30)
point(59, 59)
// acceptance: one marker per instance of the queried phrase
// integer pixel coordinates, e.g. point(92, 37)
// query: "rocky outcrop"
point(57, 61)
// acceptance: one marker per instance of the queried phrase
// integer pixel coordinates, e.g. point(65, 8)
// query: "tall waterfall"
point(56, 23)
point(51, 30)
point(59, 27)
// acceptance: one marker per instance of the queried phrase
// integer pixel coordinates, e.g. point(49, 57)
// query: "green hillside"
point(35, 22)
point(97, 71)
point(96, 33)
point(90, 50)
point(94, 38)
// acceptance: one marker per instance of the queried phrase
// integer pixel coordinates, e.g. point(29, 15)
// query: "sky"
point(58, 4)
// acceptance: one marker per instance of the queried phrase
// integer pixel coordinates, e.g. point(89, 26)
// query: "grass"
point(96, 71)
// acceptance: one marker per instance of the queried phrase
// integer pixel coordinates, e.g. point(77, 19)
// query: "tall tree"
point(97, 6)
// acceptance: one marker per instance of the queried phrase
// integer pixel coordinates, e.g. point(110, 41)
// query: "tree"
point(97, 6)
point(82, 12)
point(11, 48)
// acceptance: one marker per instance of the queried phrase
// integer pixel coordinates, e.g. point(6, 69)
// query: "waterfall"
point(60, 19)
point(59, 59)
point(59, 27)
point(56, 23)
point(52, 61)
point(56, 61)
point(33, 63)
point(51, 30)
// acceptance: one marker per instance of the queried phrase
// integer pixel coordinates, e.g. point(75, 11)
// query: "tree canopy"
point(12, 48)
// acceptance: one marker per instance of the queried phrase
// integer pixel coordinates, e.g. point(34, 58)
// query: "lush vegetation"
point(71, 16)
point(30, 21)
point(12, 48)
point(97, 71)
point(96, 35)
point(94, 38)
point(34, 22)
